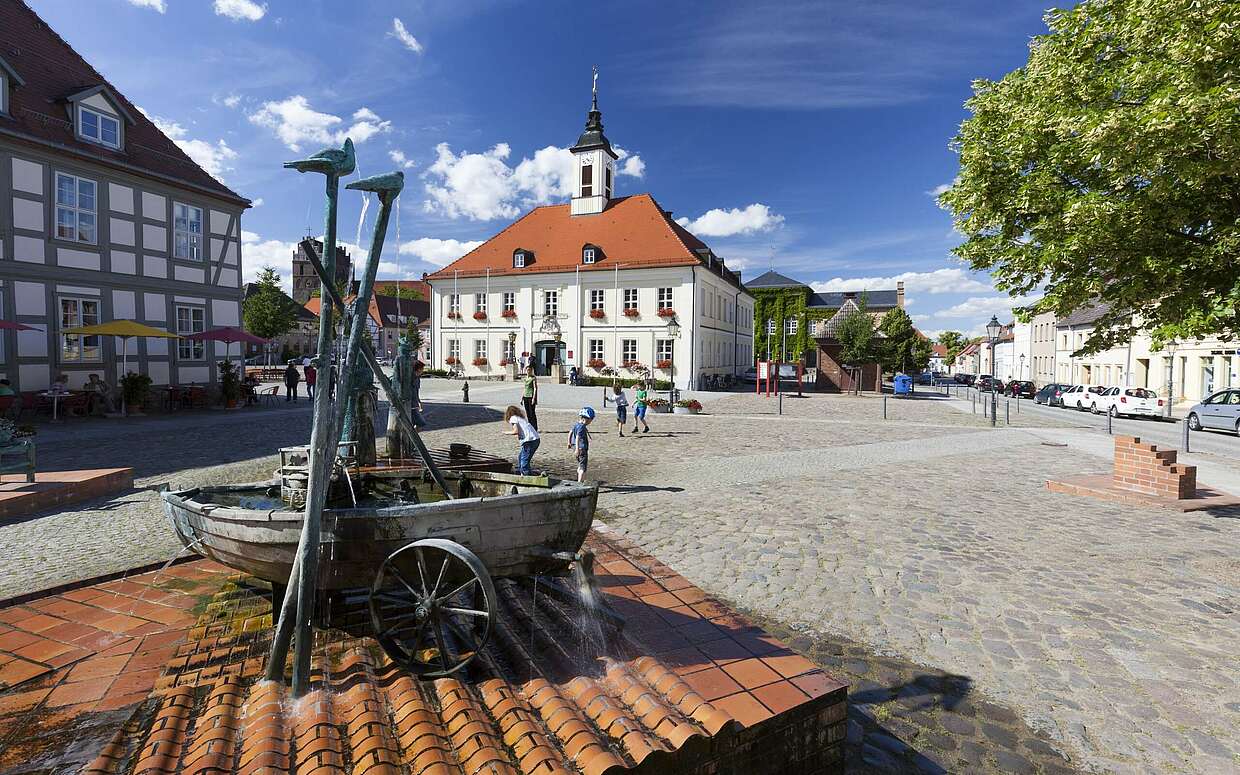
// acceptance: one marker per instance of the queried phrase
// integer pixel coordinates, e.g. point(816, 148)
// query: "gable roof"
point(1085, 315)
point(874, 300)
point(633, 232)
point(52, 72)
point(773, 279)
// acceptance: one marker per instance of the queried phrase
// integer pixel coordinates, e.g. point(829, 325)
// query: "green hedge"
point(659, 384)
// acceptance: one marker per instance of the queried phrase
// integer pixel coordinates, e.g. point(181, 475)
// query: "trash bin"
point(903, 385)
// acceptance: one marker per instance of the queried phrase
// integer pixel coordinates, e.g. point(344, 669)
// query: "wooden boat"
point(515, 525)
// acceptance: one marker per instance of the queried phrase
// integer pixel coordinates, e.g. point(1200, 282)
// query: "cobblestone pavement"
point(988, 624)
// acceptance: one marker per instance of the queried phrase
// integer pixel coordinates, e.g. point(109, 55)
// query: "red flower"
point(480, 315)
point(480, 361)
point(663, 364)
point(596, 363)
point(667, 312)
point(505, 362)
point(454, 315)
point(597, 314)
point(509, 313)
point(450, 360)
point(631, 312)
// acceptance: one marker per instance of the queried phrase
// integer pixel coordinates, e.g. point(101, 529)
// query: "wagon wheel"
point(431, 606)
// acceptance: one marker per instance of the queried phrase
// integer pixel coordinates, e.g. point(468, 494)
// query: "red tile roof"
point(633, 231)
point(51, 71)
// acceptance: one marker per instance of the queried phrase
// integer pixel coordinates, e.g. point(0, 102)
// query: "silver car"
point(1219, 411)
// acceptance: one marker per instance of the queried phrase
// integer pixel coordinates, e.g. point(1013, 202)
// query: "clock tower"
point(594, 163)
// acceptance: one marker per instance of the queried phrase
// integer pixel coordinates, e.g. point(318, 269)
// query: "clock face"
point(586, 160)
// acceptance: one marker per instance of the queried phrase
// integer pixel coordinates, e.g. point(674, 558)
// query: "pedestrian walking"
point(331, 383)
point(621, 402)
point(640, 399)
point(312, 376)
point(579, 441)
point(529, 397)
point(291, 378)
point(527, 437)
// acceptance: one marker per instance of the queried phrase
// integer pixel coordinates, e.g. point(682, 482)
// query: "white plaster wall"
point(232, 255)
point(28, 249)
point(99, 102)
point(153, 266)
point(155, 346)
point(189, 274)
point(225, 313)
point(77, 259)
point(27, 176)
point(32, 344)
point(157, 371)
point(27, 214)
point(122, 231)
point(154, 206)
point(228, 278)
point(155, 307)
point(29, 298)
point(120, 199)
point(193, 374)
point(124, 262)
point(124, 305)
point(34, 376)
point(219, 222)
point(154, 237)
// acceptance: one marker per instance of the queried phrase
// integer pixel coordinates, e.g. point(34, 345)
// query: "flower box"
point(510, 314)
point(663, 364)
point(454, 315)
point(505, 362)
point(689, 406)
point(450, 361)
point(480, 361)
point(631, 312)
point(634, 365)
point(598, 314)
point(480, 315)
point(659, 406)
point(667, 312)
point(596, 363)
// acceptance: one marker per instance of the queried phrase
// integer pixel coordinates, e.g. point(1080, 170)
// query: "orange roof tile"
point(633, 231)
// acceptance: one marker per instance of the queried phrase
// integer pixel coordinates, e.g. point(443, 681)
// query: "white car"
point(1131, 402)
point(1081, 397)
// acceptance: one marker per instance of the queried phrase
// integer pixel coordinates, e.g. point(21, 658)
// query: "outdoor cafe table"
point(56, 401)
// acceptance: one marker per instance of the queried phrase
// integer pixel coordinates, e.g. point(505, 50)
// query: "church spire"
point(595, 161)
point(593, 136)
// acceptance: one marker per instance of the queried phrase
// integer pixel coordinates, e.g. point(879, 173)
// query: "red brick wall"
point(1148, 470)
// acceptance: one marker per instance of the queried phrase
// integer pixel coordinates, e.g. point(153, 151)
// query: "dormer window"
point(99, 127)
point(521, 258)
point(591, 254)
point(4, 93)
point(9, 79)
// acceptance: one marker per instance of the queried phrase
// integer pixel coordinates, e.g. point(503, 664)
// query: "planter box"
point(684, 410)
point(661, 409)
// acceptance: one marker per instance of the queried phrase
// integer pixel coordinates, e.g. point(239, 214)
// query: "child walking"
point(640, 399)
point(579, 441)
point(622, 406)
point(526, 436)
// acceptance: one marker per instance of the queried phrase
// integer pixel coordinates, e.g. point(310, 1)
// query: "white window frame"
point(597, 299)
point(588, 255)
point(480, 302)
point(76, 210)
point(790, 326)
point(628, 347)
point(510, 301)
point(664, 349)
point(454, 303)
point(551, 303)
point(191, 349)
point(83, 342)
point(665, 298)
point(510, 350)
point(770, 327)
point(596, 350)
point(100, 118)
point(4, 93)
point(587, 168)
point(193, 239)
point(480, 348)
point(454, 349)
point(630, 298)
point(518, 259)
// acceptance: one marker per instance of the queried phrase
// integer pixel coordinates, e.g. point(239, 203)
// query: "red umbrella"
point(228, 335)
point(13, 326)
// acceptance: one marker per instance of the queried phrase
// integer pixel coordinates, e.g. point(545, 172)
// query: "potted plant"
point(453, 315)
point(480, 315)
point(598, 314)
point(665, 363)
point(688, 406)
point(230, 383)
point(659, 405)
point(667, 312)
point(509, 314)
point(505, 362)
point(631, 312)
point(7, 431)
point(134, 388)
point(480, 361)
point(597, 363)
point(450, 360)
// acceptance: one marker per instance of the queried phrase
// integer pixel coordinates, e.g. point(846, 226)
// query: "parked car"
point(924, 378)
point(1051, 395)
point(1131, 402)
point(1022, 388)
point(986, 383)
point(1080, 397)
point(1220, 411)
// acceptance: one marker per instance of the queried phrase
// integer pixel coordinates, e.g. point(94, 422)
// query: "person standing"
point(640, 399)
point(291, 378)
point(622, 406)
point(527, 437)
point(579, 441)
point(312, 376)
point(529, 397)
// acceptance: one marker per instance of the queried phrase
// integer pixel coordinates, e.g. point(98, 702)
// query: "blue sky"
point(805, 137)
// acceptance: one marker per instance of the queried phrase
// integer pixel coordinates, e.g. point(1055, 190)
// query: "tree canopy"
point(398, 292)
point(855, 333)
point(1108, 169)
point(953, 342)
point(902, 347)
point(269, 312)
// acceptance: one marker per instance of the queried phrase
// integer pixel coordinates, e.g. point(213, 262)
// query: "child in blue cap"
point(579, 441)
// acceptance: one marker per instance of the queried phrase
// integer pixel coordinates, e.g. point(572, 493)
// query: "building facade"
point(1042, 349)
point(102, 217)
point(593, 284)
point(306, 281)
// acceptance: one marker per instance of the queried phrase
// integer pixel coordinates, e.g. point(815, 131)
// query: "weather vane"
point(594, 89)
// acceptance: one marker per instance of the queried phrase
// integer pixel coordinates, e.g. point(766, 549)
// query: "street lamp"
point(673, 333)
point(1171, 347)
point(992, 333)
point(512, 353)
point(1022, 366)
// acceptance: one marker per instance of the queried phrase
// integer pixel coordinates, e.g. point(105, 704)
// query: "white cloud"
point(405, 37)
point(437, 251)
point(982, 307)
point(401, 159)
point(942, 188)
point(232, 100)
point(215, 159)
point(482, 186)
point(296, 123)
point(259, 202)
point(240, 10)
point(729, 223)
point(257, 253)
point(154, 5)
point(947, 280)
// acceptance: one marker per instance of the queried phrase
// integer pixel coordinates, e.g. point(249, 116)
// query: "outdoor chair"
point(269, 395)
point(23, 451)
point(75, 404)
point(11, 407)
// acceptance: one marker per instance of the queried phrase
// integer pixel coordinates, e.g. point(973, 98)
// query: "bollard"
point(974, 394)
point(1186, 429)
point(1007, 412)
point(781, 403)
point(884, 407)
point(465, 391)
point(1108, 423)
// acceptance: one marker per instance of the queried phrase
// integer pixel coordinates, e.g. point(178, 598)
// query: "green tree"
point(399, 292)
point(902, 347)
point(1108, 168)
point(269, 312)
point(954, 342)
point(855, 333)
point(414, 334)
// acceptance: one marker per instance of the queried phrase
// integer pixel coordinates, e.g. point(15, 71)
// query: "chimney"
point(900, 294)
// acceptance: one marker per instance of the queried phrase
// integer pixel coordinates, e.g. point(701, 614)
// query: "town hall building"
point(593, 283)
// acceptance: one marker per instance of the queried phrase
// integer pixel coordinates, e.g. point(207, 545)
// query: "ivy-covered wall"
point(781, 305)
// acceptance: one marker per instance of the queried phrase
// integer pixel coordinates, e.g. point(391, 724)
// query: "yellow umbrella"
point(124, 329)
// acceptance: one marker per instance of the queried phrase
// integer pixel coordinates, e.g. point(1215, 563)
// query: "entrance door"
point(546, 353)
